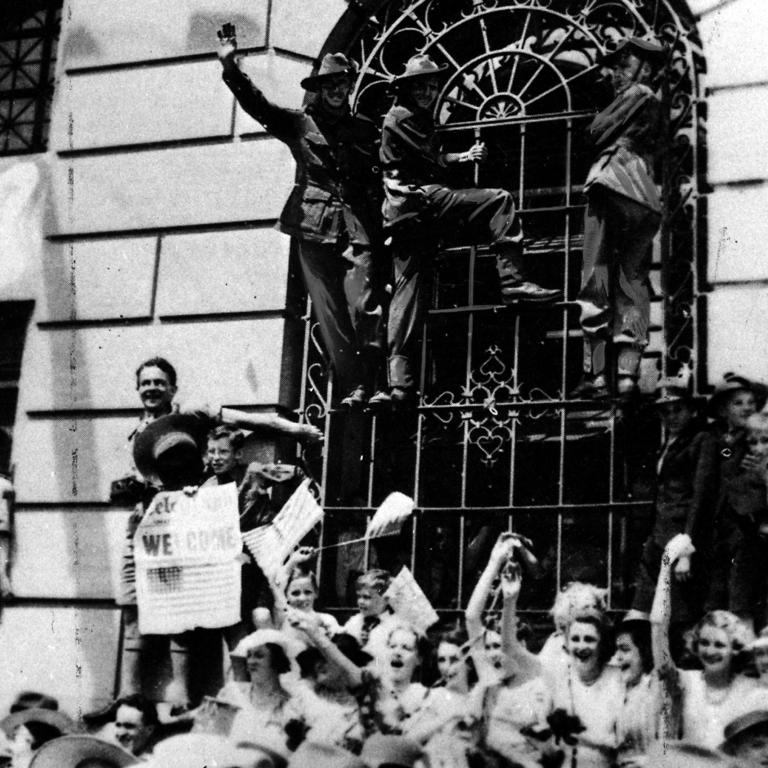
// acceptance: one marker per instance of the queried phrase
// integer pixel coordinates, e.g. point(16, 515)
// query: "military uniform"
point(333, 212)
point(622, 217)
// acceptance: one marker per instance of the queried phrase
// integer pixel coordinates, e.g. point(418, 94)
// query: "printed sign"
point(409, 602)
point(187, 552)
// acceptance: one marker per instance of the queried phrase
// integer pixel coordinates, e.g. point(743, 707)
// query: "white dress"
point(597, 705)
point(707, 712)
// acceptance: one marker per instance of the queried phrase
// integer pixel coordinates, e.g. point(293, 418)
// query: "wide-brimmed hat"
point(71, 751)
point(197, 750)
point(37, 715)
point(332, 64)
point(643, 48)
point(384, 749)
point(672, 389)
point(347, 644)
point(733, 382)
point(419, 65)
point(174, 431)
point(264, 637)
point(740, 726)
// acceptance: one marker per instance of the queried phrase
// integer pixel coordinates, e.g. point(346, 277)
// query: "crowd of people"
point(681, 679)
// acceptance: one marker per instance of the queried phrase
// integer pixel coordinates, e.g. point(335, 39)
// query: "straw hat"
point(175, 431)
point(50, 717)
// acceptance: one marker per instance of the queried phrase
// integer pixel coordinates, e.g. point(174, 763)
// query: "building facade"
point(145, 228)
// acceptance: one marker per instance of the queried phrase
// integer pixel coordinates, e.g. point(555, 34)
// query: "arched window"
point(495, 441)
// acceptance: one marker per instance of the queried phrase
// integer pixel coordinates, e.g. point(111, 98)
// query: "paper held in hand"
point(187, 553)
point(409, 602)
point(271, 544)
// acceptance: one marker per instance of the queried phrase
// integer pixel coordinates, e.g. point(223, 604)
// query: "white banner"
point(409, 602)
point(187, 552)
point(271, 544)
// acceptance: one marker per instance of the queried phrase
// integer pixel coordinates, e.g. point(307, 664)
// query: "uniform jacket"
point(336, 196)
point(410, 159)
point(627, 134)
point(686, 490)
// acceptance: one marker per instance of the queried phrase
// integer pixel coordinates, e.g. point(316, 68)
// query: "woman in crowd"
point(589, 689)
point(717, 693)
point(265, 706)
point(515, 704)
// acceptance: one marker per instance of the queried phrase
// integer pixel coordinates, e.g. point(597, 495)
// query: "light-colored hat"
point(202, 750)
point(263, 637)
point(71, 751)
point(332, 64)
point(673, 389)
point(380, 749)
point(420, 65)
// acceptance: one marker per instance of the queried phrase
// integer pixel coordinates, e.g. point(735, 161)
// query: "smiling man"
point(332, 212)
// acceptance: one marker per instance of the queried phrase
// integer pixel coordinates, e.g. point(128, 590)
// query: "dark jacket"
point(627, 134)
point(337, 193)
point(410, 159)
point(686, 490)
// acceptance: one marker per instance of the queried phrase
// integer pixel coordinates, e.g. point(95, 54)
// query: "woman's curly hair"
point(738, 633)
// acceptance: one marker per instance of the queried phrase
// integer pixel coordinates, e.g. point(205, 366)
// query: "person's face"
point(740, 406)
point(758, 443)
point(220, 455)
point(452, 667)
point(627, 70)
point(301, 594)
point(155, 390)
point(492, 647)
point(761, 663)
point(676, 417)
point(370, 602)
point(714, 650)
point(129, 727)
point(334, 91)
point(258, 662)
point(403, 655)
point(424, 91)
point(628, 659)
point(583, 644)
point(21, 747)
point(752, 748)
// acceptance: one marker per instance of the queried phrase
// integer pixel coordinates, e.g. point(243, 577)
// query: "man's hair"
point(162, 364)
point(376, 579)
point(223, 431)
point(137, 701)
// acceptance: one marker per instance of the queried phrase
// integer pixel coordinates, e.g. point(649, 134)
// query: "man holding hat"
point(686, 485)
point(332, 213)
point(622, 217)
point(420, 211)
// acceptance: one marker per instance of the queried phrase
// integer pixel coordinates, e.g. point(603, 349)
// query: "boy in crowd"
point(370, 626)
point(741, 529)
point(224, 454)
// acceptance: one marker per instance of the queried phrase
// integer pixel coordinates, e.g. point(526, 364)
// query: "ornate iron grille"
point(28, 39)
point(496, 443)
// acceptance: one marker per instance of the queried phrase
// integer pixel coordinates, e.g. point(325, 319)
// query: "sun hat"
point(263, 637)
point(331, 65)
point(643, 48)
point(37, 715)
point(420, 65)
point(72, 751)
